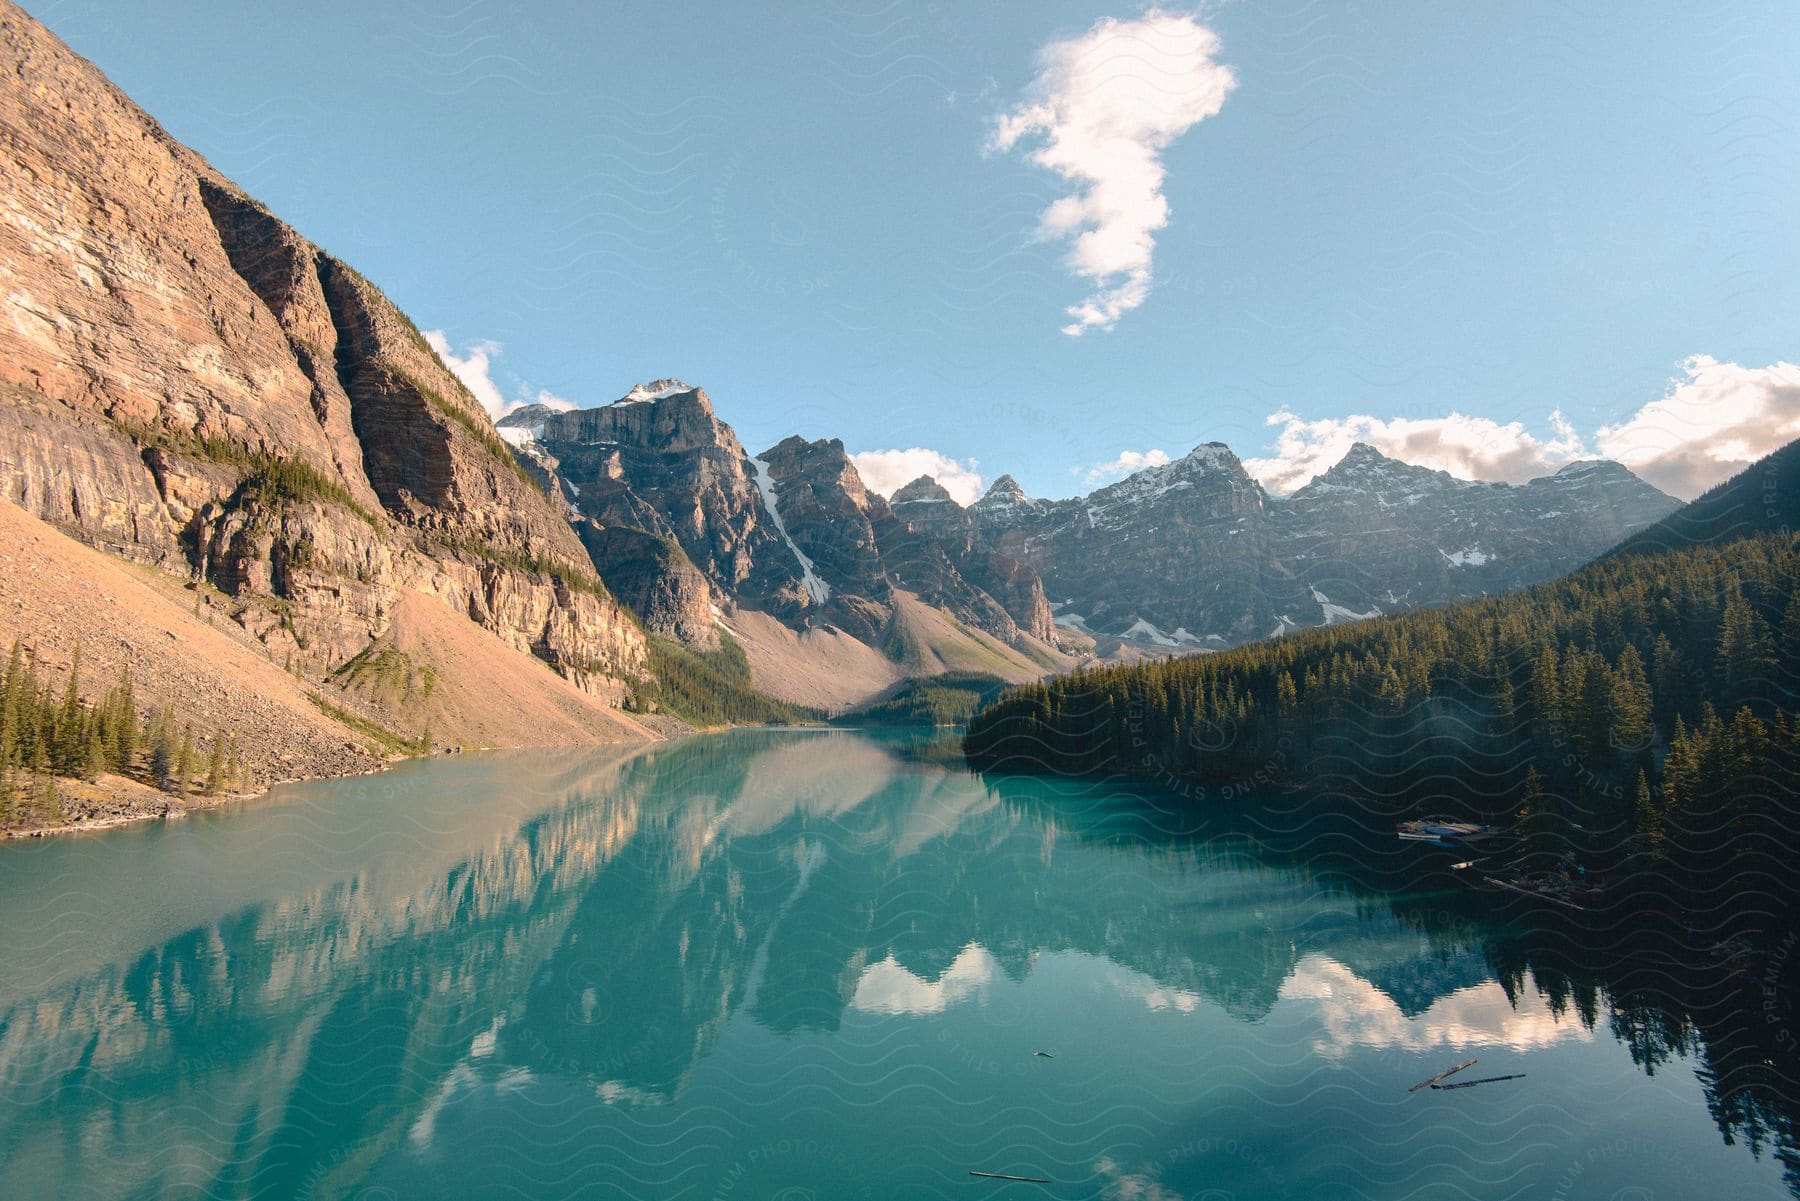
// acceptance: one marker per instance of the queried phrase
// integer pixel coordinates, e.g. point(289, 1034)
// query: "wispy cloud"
point(1127, 462)
point(1106, 105)
point(1714, 420)
point(887, 471)
point(474, 367)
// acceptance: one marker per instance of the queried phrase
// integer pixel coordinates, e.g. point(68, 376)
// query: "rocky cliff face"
point(186, 380)
point(1176, 554)
point(792, 532)
point(929, 511)
point(1194, 554)
point(659, 460)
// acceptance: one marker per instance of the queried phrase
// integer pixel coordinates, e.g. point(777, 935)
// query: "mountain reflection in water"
point(757, 962)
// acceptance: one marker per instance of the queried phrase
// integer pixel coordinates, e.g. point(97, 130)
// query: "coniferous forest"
point(51, 739)
point(1637, 716)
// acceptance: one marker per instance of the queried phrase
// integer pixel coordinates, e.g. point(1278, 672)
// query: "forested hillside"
point(1643, 706)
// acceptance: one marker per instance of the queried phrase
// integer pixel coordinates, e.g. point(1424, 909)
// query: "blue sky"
point(1399, 211)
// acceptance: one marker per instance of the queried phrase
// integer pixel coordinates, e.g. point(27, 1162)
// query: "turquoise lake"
point(791, 966)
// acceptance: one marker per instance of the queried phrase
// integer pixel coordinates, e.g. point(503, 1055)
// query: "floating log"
point(1043, 1055)
point(1535, 894)
point(1432, 1082)
point(1020, 1179)
point(1483, 1080)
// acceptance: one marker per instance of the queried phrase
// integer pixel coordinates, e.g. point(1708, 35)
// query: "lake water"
point(784, 966)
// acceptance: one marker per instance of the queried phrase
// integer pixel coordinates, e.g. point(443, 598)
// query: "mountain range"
point(1189, 555)
point(329, 547)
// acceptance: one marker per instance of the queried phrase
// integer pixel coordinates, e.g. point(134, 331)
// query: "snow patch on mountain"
point(1146, 630)
point(1468, 557)
point(519, 435)
point(817, 589)
point(660, 389)
point(1335, 613)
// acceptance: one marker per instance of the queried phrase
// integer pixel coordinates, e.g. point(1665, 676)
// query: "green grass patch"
point(389, 674)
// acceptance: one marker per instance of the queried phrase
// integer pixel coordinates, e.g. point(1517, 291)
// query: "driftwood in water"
point(1021, 1179)
point(1483, 1080)
point(1432, 1082)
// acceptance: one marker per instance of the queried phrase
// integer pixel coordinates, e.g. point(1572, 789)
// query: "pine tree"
point(215, 770)
point(162, 755)
point(1647, 816)
point(183, 771)
point(1629, 700)
point(68, 754)
point(95, 756)
point(1746, 653)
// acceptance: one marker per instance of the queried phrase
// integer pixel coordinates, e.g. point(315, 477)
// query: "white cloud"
point(887, 471)
point(1127, 462)
point(887, 987)
point(1348, 1012)
point(1470, 448)
point(474, 368)
point(1714, 420)
point(1107, 104)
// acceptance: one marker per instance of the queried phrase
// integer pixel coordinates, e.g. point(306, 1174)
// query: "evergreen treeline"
point(46, 734)
point(1642, 704)
point(709, 688)
point(949, 699)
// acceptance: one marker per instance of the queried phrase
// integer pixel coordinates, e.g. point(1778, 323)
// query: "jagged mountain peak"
point(1363, 452)
point(1366, 469)
point(1006, 487)
point(1211, 452)
point(1205, 463)
point(526, 416)
point(923, 491)
point(797, 444)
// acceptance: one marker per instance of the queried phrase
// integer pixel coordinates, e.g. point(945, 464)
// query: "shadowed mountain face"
point(555, 973)
point(1190, 555)
point(791, 532)
point(1194, 554)
point(1762, 498)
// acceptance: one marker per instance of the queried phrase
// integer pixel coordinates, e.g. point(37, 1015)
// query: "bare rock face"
point(662, 486)
point(1194, 555)
point(1376, 533)
point(828, 513)
point(929, 511)
point(660, 461)
point(186, 380)
point(656, 579)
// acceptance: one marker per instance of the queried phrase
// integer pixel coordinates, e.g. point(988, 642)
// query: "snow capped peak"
point(660, 389)
point(1004, 494)
point(1365, 470)
point(1210, 454)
